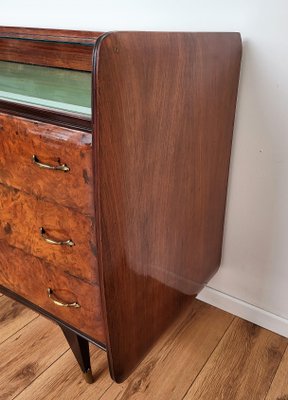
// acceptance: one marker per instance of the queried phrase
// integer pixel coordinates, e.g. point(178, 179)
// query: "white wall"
point(254, 267)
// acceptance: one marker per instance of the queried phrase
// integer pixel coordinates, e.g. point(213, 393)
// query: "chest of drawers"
point(114, 159)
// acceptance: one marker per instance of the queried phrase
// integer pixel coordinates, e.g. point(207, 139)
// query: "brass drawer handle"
point(59, 302)
point(62, 167)
point(68, 242)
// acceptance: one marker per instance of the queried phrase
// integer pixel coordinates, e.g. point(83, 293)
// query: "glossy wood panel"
point(47, 53)
point(21, 138)
point(163, 122)
point(61, 55)
point(60, 35)
point(23, 215)
point(30, 277)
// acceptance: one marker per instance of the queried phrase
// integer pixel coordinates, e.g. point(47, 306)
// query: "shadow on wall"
point(255, 250)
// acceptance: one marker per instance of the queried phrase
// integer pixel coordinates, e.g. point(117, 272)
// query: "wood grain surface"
point(30, 277)
point(248, 358)
point(279, 387)
point(163, 123)
point(38, 370)
point(13, 316)
point(177, 358)
point(23, 215)
point(69, 384)
point(52, 53)
point(49, 34)
point(27, 354)
point(21, 138)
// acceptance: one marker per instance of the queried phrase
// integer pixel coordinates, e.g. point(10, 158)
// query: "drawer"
point(23, 215)
point(20, 139)
point(31, 278)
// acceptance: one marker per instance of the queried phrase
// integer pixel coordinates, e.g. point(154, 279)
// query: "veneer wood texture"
point(144, 192)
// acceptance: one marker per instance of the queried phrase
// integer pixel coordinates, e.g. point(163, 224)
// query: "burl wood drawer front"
point(31, 278)
point(22, 217)
point(20, 139)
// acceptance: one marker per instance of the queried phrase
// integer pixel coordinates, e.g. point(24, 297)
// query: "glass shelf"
point(46, 87)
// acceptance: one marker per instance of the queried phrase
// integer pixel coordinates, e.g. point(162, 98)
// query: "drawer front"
point(53, 146)
point(31, 278)
point(22, 217)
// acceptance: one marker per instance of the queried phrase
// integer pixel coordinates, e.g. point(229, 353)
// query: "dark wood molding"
point(48, 315)
point(47, 34)
point(35, 113)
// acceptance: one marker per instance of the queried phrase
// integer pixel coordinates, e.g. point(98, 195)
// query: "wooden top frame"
point(48, 47)
point(45, 34)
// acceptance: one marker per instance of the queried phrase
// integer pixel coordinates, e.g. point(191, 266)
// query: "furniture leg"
point(80, 349)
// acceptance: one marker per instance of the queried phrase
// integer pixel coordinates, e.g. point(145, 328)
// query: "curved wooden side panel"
point(162, 138)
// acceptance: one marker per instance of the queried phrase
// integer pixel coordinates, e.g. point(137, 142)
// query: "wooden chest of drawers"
point(114, 159)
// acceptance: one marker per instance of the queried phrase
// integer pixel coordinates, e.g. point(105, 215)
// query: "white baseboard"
point(244, 310)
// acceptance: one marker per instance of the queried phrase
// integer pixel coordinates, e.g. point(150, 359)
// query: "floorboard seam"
point(210, 355)
point(106, 390)
point(22, 327)
point(272, 380)
point(38, 376)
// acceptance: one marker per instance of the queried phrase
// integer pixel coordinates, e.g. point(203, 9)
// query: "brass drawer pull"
point(59, 302)
point(68, 242)
point(62, 167)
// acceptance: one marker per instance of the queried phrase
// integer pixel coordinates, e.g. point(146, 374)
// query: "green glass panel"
point(53, 88)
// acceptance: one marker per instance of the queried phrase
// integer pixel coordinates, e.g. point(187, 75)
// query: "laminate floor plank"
point(63, 380)
point(279, 387)
point(207, 355)
point(26, 354)
point(243, 365)
point(177, 358)
point(13, 316)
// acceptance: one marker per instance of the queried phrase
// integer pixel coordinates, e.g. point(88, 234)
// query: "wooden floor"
point(208, 355)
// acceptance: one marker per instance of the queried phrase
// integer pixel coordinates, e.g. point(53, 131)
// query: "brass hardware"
point(59, 302)
point(61, 167)
point(88, 376)
point(68, 242)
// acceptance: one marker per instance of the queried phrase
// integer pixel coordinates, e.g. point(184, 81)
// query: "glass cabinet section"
point(51, 88)
point(47, 75)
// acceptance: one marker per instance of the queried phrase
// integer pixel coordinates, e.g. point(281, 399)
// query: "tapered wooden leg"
point(80, 349)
